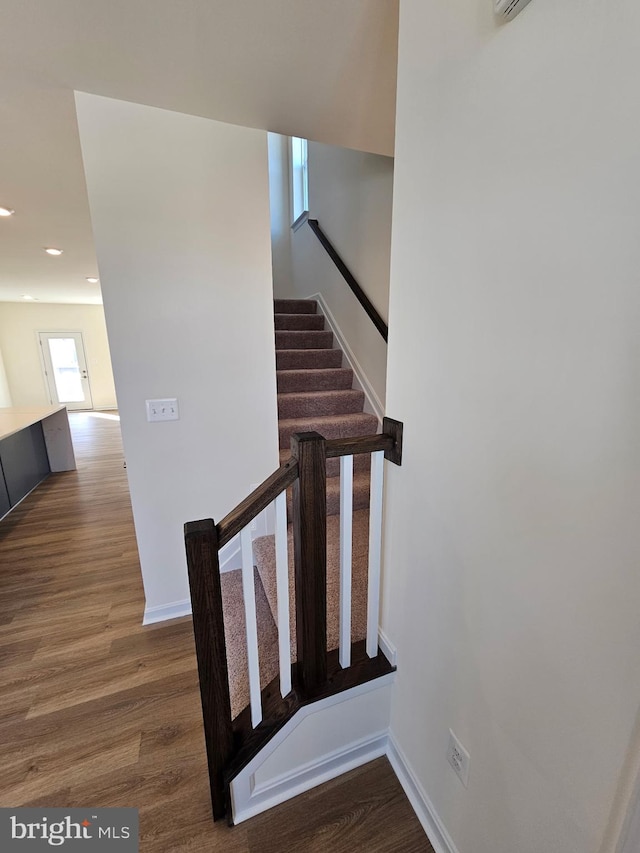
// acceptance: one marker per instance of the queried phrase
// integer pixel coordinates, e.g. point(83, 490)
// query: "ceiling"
point(325, 71)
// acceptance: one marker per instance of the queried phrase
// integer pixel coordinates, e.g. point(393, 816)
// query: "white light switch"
point(163, 410)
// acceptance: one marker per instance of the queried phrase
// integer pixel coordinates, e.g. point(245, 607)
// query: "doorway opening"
point(64, 365)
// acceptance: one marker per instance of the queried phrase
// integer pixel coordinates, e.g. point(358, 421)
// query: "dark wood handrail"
point(258, 500)
point(346, 273)
point(361, 444)
point(390, 440)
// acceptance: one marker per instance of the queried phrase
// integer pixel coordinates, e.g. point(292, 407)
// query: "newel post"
point(310, 557)
point(201, 540)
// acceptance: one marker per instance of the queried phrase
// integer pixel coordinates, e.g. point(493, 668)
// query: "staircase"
point(322, 677)
point(314, 394)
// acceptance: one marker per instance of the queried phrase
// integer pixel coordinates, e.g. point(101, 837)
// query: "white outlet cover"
point(458, 758)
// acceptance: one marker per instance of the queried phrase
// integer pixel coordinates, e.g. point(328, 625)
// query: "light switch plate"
point(165, 409)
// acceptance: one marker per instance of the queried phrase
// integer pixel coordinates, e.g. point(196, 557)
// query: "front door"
point(65, 369)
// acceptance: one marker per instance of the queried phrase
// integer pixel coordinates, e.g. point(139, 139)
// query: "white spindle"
point(282, 590)
point(375, 548)
point(249, 594)
point(346, 521)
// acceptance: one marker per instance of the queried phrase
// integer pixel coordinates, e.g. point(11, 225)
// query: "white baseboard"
point(387, 648)
point(375, 404)
point(436, 831)
point(162, 612)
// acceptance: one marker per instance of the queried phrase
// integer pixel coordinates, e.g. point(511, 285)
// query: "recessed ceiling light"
point(6, 211)
point(92, 280)
point(52, 251)
point(29, 298)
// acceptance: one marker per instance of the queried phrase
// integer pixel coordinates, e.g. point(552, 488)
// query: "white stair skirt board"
point(373, 404)
point(322, 741)
point(435, 829)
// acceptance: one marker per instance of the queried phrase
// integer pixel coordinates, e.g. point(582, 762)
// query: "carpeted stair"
point(314, 393)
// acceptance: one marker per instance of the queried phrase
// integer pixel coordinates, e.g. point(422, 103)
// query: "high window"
point(299, 181)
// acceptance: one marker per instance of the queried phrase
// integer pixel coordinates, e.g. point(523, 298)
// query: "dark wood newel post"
point(201, 540)
point(310, 557)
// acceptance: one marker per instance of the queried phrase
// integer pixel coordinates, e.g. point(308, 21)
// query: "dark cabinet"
point(24, 461)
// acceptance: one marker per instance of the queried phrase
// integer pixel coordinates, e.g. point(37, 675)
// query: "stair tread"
point(324, 394)
point(302, 359)
point(295, 306)
point(355, 419)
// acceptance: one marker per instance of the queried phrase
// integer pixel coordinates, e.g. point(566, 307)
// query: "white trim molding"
point(374, 402)
point(162, 612)
point(279, 773)
point(425, 811)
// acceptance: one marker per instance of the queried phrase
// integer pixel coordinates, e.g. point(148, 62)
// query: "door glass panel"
point(66, 371)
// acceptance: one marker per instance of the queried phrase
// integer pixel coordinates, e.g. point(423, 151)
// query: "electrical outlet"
point(458, 758)
point(162, 410)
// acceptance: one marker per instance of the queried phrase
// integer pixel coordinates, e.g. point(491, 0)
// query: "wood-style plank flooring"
point(97, 711)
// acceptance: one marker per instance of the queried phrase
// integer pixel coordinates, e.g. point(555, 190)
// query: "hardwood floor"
point(97, 711)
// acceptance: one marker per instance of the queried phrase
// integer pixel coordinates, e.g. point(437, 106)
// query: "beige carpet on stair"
point(264, 557)
point(234, 628)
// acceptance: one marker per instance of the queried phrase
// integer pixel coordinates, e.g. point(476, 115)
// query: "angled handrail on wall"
point(317, 673)
point(346, 273)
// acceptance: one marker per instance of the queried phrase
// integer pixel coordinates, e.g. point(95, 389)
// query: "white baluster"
point(282, 589)
point(375, 548)
point(249, 594)
point(346, 523)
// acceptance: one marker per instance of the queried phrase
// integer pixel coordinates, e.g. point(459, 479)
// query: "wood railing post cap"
point(307, 436)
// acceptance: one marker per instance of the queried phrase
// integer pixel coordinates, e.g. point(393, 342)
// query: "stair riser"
point(314, 380)
point(299, 322)
point(326, 403)
point(304, 340)
point(357, 425)
point(308, 359)
point(295, 306)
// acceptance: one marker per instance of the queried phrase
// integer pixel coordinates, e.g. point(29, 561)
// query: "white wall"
point(350, 194)
point(5, 393)
point(280, 209)
point(512, 533)
point(180, 213)
point(19, 324)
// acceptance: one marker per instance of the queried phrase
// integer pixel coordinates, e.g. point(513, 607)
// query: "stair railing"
point(316, 674)
point(348, 276)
